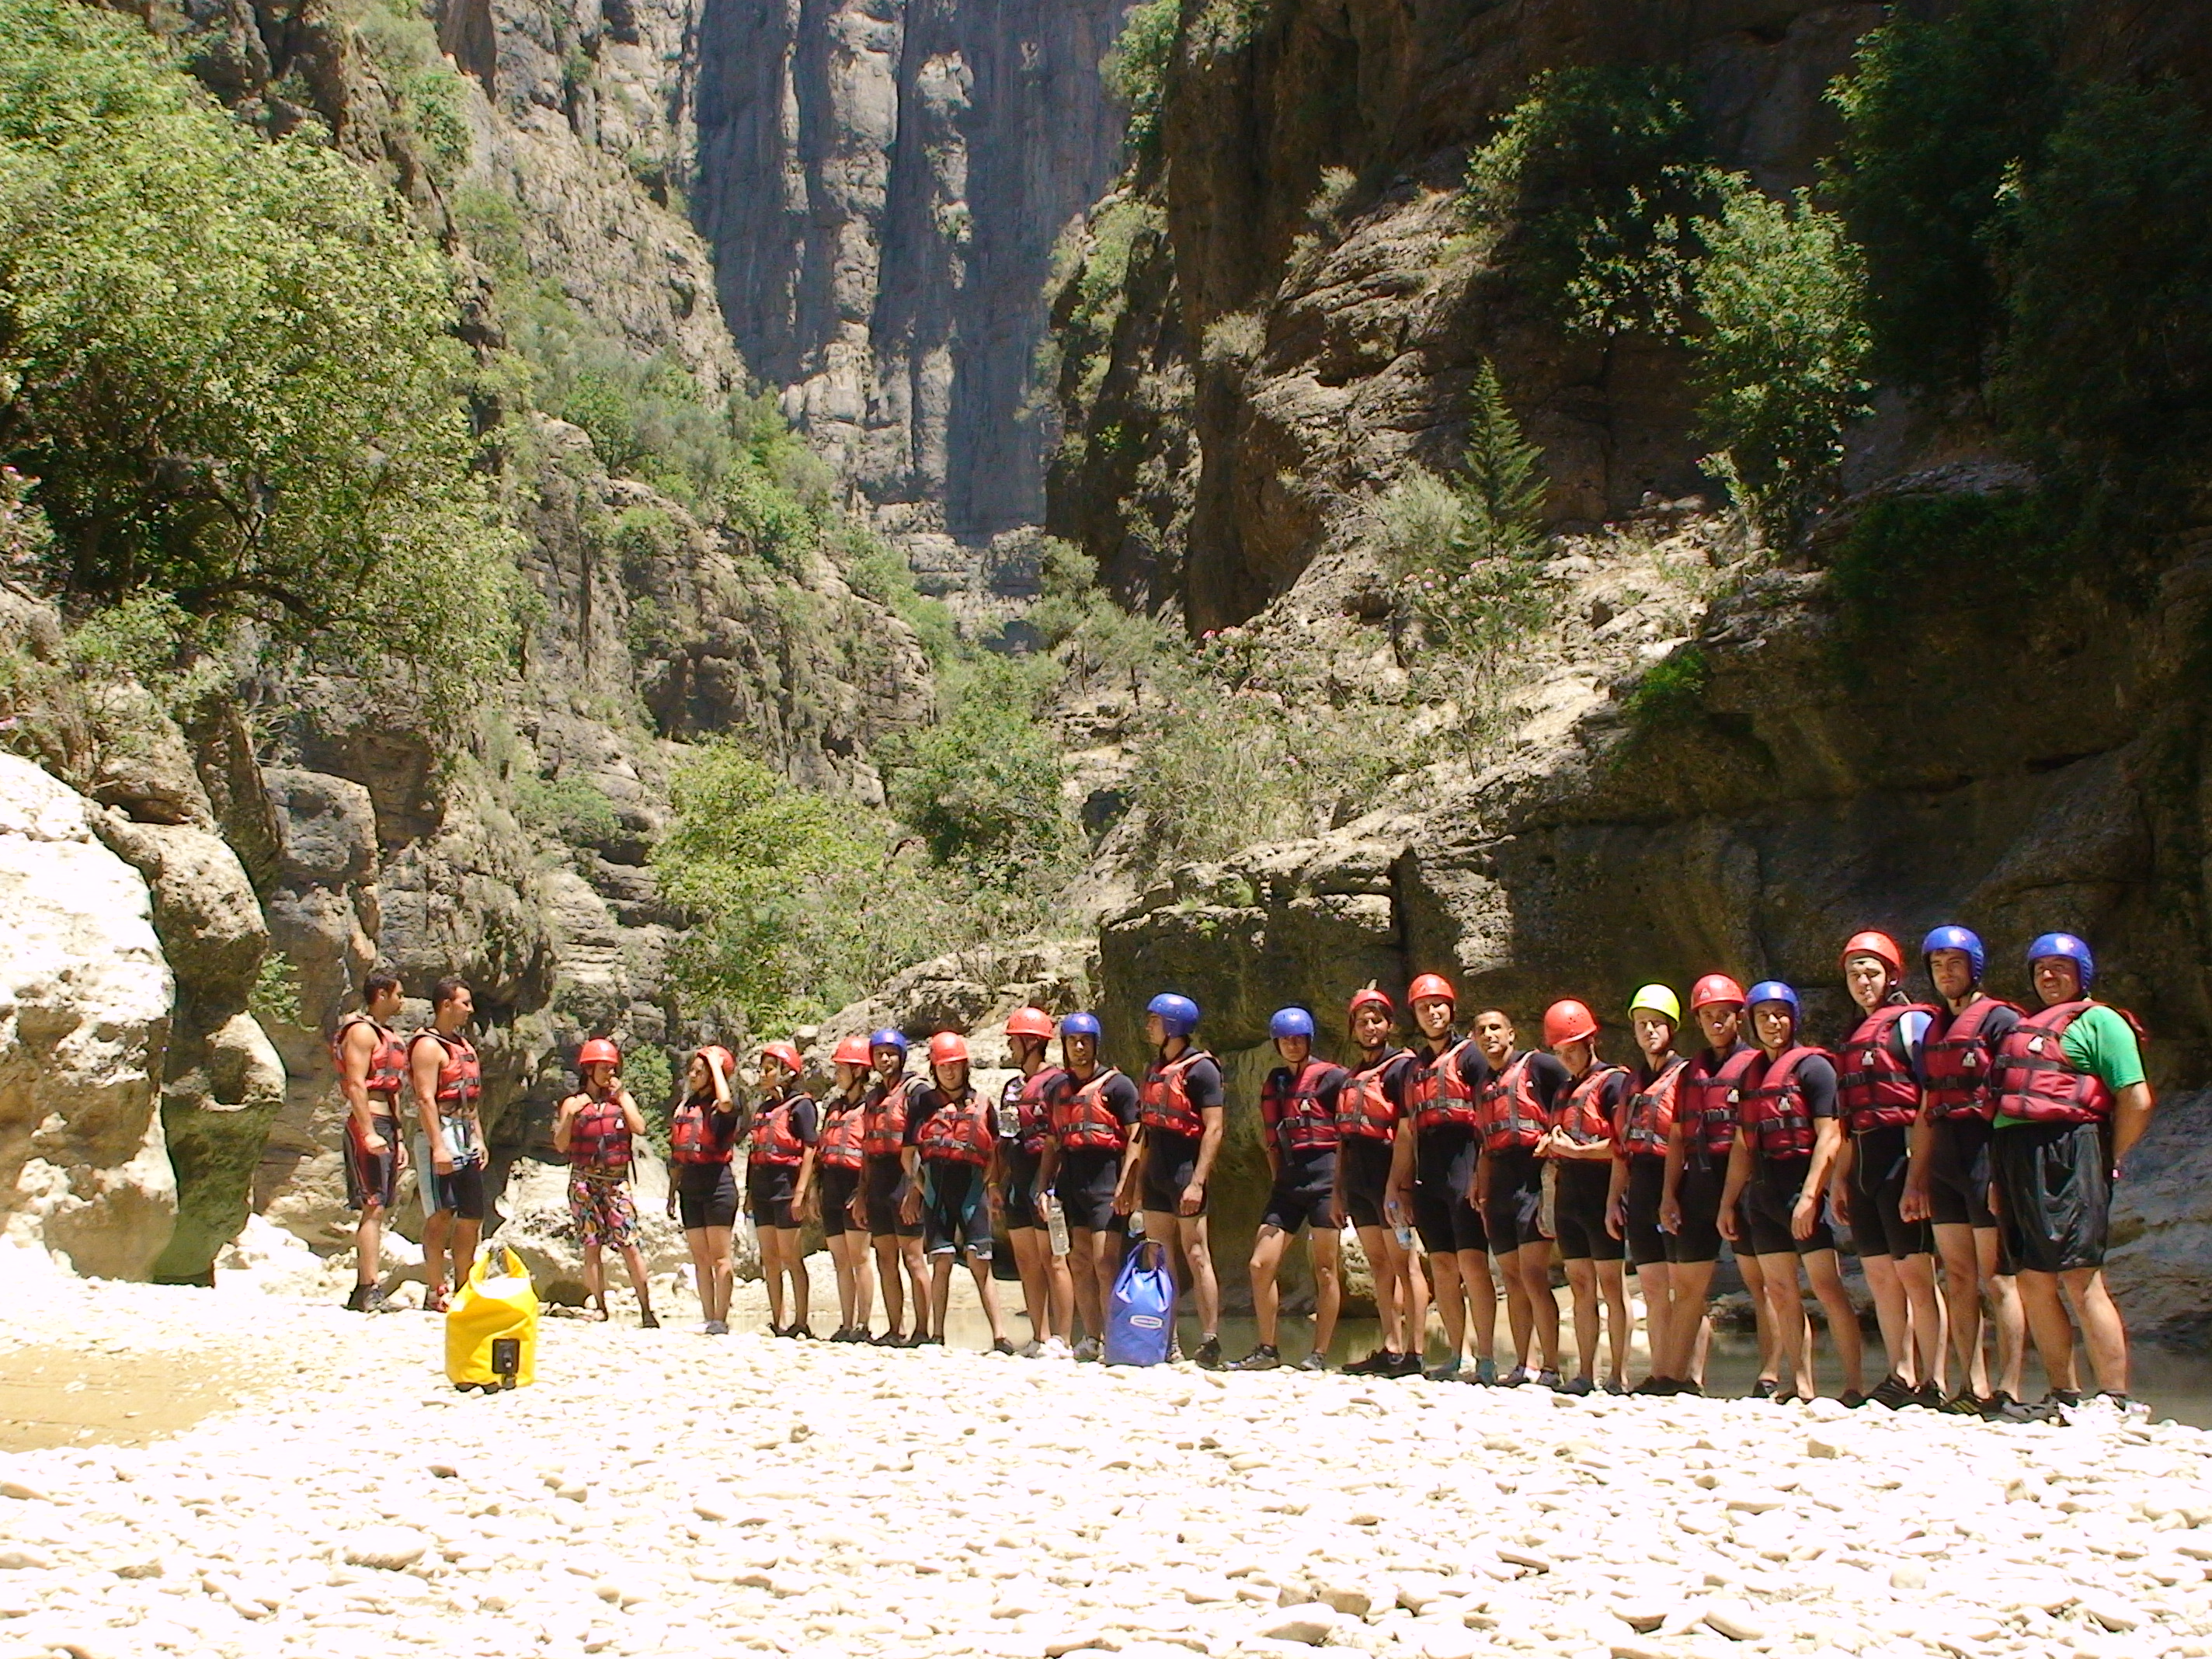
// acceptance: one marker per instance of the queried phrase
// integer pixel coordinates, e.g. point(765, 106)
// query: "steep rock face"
point(883, 182)
point(84, 1021)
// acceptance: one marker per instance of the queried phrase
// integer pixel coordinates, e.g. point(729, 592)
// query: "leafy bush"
point(275, 998)
point(1670, 690)
point(982, 787)
point(875, 570)
point(1782, 358)
point(2105, 378)
point(430, 99)
point(1902, 551)
point(800, 903)
point(651, 1080)
point(570, 810)
point(1136, 69)
point(229, 364)
point(1938, 113)
point(1597, 179)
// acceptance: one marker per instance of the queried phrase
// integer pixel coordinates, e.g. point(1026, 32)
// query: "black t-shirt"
point(1816, 1077)
point(1202, 1083)
point(1548, 1077)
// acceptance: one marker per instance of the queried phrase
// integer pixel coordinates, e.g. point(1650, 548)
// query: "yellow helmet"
point(1659, 1000)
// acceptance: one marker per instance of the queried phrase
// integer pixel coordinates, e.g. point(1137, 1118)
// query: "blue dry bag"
point(1140, 1316)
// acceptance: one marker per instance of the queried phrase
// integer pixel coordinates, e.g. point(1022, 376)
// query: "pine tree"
point(1501, 484)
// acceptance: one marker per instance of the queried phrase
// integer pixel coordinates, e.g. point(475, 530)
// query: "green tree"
point(1938, 113)
point(1136, 69)
point(1597, 179)
point(981, 788)
point(1781, 360)
point(229, 364)
point(1501, 482)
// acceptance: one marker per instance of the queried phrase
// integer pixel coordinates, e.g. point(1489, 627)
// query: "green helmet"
point(1658, 999)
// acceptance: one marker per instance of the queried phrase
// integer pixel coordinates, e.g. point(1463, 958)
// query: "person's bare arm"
point(1132, 1159)
point(355, 1054)
point(1920, 1146)
point(1739, 1172)
point(1830, 1144)
point(633, 1118)
point(2130, 1118)
point(1209, 1147)
point(1397, 1190)
point(1616, 1198)
point(564, 1122)
point(1670, 1191)
point(422, 1071)
point(1833, 1154)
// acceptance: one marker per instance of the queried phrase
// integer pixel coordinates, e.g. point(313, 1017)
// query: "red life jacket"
point(1082, 1118)
point(1442, 1096)
point(1584, 1117)
point(1511, 1115)
point(1363, 1106)
point(957, 1131)
point(1647, 1117)
point(883, 1116)
point(388, 1061)
point(460, 1075)
point(1772, 1110)
point(1875, 1089)
point(1958, 1063)
point(1165, 1103)
point(1296, 1117)
point(2038, 1083)
point(776, 1137)
point(1705, 1101)
point(838, 1147)
point(698, 1133)
point(1031, 1099)
point(598, 1138)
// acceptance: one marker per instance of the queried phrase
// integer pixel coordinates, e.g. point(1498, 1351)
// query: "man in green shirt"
point(2072, 1103)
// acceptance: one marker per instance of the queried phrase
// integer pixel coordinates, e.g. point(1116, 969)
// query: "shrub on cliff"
point(1938, 113)
point(229, 364)
point(1136, 69)
point(1781, 358)
point(1595, 182)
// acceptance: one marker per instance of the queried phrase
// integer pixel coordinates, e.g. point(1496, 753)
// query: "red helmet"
point(716, 1055)
point(1880, 946)
point(947, 1046)
point(1029, 1022)
point(1371, 998)
point(596, 1049)
point(1428, 986)
point(852, 1051)
point(782, 1051)
point(1712, 989)
point(1568, 1021)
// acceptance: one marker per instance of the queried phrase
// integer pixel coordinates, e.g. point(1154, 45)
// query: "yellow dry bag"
point(491, 1327)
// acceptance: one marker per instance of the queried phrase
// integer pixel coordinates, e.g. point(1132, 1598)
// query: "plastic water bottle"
point(1055, 1223)
point(1136, 1225)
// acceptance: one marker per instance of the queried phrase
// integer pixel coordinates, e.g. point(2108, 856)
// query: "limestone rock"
point(85, 1000)
point(221, 1091)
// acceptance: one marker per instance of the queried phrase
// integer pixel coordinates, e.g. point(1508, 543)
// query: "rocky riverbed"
point(659, 1492)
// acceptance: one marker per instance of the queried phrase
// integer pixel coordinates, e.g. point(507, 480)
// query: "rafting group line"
point(1965, 1148)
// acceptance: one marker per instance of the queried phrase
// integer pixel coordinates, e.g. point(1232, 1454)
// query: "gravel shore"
point(660, 1492)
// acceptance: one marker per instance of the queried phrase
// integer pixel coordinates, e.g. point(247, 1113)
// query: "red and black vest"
point(388, 1061)
point(1647, 1116)
point(1776, 1121)
point(838, 1147)
point(598, 1138)
point(1031, 1099)
point(460, 1075)
point(1298, 1119)
point(1875, 1089)
point(1584, 1116)
point(1511, 1115)
point(1363, 1106)
point(2038, 1083)
point(1959, 1066)
point(1706, 1102)
point(775, 1136)
point(1084, 1119)
point(1442, 1096)
point(1165, 1101)
point(957, 1131)
point(883, 1116)
point(698, 1133)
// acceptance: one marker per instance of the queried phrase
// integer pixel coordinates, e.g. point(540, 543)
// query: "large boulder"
point(2161, 1263)
point(85, 1000)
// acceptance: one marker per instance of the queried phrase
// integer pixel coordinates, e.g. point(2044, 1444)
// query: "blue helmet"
point(1179, 1014)
point(2073, 949)
point(1952, 936)
point(887, 1038)
point(1290, 1022)
point(1080, 1025)
point(1773, 990)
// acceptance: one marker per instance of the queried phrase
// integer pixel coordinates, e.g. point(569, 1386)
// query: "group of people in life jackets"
point(1968, 1145)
